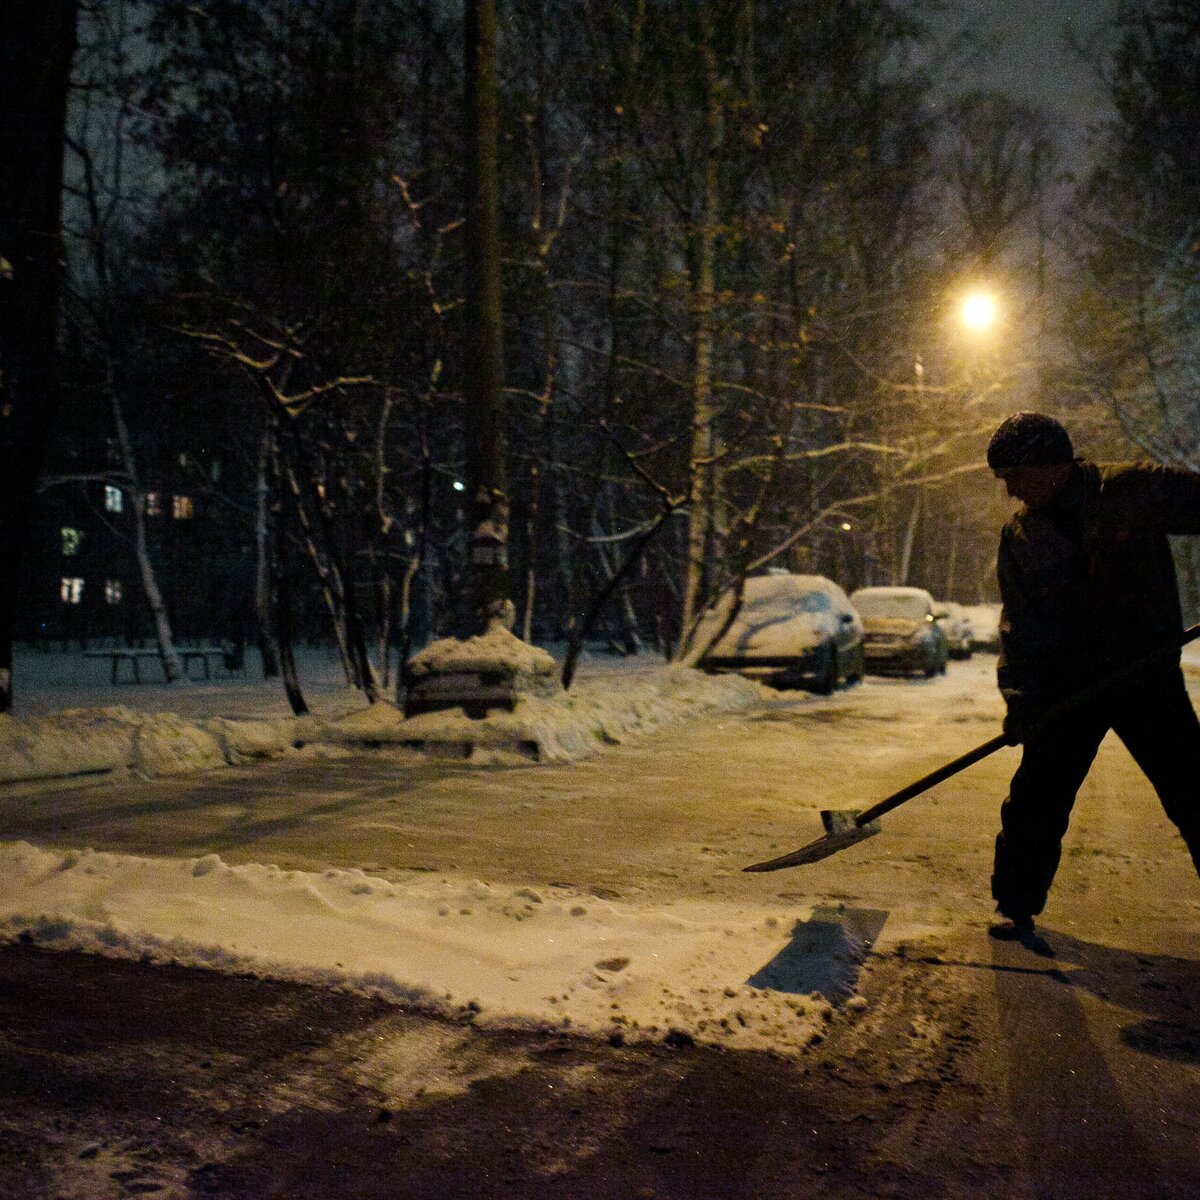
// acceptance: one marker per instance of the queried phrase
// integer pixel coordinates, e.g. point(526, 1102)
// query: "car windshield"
point(890, 604)
point(815, 602)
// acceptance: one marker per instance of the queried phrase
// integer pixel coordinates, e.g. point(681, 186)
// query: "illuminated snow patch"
point(542, 956)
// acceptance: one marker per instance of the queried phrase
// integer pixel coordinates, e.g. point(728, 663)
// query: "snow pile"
point(574, 724)
point(604, 710)
point(247, 739)
point(544, 956)
point(72, 742)
point(93, 741)
point(498, 649)
point(90, 741)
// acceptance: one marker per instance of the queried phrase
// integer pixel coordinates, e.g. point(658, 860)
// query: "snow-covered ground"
point(686, 943)
point(541, 954)
point(535, 956)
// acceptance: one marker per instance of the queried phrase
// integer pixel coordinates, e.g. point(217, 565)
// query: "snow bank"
point(572, 725)
point(604, 710)
point(72, 742)
point(96, 741)
point(544, 956)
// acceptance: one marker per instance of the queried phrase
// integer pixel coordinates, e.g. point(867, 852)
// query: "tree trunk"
point(388, 593)
point(264, 550)
point(952, 560)
point(571, 563)
point(418, 547)
point(330, 562)
point(487, 499)
point(580, 631)
point(328, 578)
point(112, 348)
point(700, 497)
point(279, 589)
point(910, 535)
point(37, 44)
point(172, 666)
point(631, 635)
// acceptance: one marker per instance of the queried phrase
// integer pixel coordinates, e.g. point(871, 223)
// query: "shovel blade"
point(842, 831)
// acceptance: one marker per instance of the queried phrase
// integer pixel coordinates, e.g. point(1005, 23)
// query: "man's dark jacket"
point(1088, 581)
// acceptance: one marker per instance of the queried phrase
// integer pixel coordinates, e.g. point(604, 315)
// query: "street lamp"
point(978, 311)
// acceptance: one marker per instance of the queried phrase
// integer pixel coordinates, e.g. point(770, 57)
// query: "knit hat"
point(1029, 439)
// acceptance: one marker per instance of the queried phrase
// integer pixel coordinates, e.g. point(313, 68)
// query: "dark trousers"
point(1158, 725)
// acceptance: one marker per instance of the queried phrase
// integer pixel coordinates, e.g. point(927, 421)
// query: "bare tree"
point(1000, 162)
point(100, 187)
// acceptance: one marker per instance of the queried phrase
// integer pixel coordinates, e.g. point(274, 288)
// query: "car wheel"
point(826, 680)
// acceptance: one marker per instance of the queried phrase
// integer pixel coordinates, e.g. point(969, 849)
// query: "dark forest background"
point(734, 235)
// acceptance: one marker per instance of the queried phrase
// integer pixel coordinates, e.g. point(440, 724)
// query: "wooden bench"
point(135, 656)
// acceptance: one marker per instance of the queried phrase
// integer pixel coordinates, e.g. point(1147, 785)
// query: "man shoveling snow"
point(1087, 583)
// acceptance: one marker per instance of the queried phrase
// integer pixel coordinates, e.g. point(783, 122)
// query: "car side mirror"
point(847, 618)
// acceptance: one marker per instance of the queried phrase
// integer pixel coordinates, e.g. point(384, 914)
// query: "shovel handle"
point(1051, 717)
point(934, 777)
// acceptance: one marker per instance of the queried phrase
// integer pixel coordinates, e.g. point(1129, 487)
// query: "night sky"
point(1026, 57)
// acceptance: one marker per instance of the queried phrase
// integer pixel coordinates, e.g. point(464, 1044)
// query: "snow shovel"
point(844, 827)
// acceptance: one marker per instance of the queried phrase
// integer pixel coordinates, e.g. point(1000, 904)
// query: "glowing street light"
point(979, 311)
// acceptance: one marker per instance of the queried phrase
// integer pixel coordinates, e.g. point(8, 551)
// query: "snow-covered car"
point(985, 626)
point(900, 630)
point(791, 630)
point(955, 624)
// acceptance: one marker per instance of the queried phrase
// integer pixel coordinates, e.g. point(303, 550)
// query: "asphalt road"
point(972, 1068)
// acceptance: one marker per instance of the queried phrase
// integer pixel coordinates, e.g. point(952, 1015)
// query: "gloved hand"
point(1022, 718)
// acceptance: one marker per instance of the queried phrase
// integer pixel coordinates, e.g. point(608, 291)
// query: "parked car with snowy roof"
point(985, 626)
point(791, 630)
point(955, 624)
point(900, 630)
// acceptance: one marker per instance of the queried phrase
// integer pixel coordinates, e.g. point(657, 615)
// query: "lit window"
point(182, 508)
point(72, 539)
point(114, 499)
point(112, 591)
point(71, 590)
point(153, 504)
